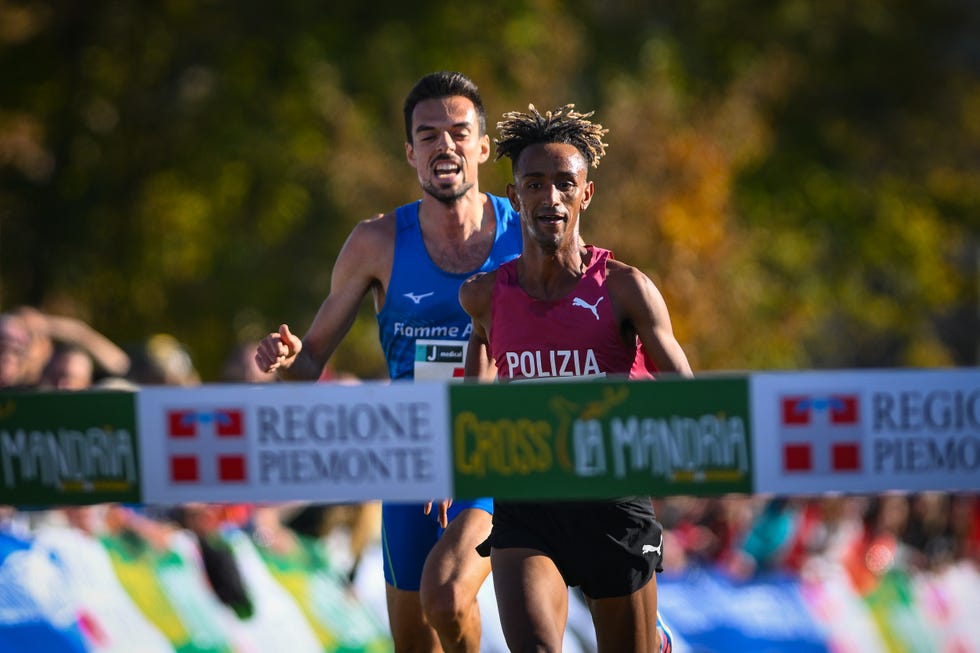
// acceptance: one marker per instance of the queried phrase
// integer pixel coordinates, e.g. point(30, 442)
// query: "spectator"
point(964, 521)
point(205, 522)
point(240, 366)
point(40, 345)
point(47, 331)
point(14, 343)
point(69, 368)
point(705, 530)
point(163, 360)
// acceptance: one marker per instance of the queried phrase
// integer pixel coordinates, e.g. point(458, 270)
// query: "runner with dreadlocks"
point(564, 308)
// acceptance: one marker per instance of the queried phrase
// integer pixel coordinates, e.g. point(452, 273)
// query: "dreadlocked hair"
point(562, 125)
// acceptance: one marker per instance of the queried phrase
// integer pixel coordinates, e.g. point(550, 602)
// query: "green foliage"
point(801, 179)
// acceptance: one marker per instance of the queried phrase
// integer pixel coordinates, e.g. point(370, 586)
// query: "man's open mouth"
point(447, 169)
point(551, 218)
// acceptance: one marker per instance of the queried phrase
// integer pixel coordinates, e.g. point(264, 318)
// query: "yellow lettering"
point(504, 447)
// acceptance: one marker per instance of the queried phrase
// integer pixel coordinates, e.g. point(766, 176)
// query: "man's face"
point(447, 148)
point(71, 370)
point(550, 189)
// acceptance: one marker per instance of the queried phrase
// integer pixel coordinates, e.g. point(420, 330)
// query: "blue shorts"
point(408, 534)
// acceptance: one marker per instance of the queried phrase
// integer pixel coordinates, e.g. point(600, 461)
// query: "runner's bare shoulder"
point(372, 240)
point(475, 293)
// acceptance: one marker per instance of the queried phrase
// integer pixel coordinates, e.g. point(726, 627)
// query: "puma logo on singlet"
point(581, 303)
point(417, 298)
point(649, 548)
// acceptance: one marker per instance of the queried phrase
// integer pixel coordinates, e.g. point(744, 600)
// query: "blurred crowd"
point(867, 535)
point(741, 535)
point(43, 352)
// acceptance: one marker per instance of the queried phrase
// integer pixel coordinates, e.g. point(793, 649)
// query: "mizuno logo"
point(649, 548)
point(417, 298)
point(581, 303)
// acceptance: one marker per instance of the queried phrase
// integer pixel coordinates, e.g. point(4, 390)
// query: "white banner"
point(295, 441)
point(866, 431)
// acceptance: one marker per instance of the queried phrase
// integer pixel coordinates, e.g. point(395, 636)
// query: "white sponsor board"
point(295, 441)
point(866, 431)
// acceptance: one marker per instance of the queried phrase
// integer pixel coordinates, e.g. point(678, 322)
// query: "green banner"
point(68, 448)
point(583, 439)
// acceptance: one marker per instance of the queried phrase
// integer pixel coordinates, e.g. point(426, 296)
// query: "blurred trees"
point(801, 179)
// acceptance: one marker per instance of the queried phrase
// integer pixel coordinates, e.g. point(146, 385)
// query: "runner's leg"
point(409, 630)
point(532, 599)
point(407, 537)
point(451, 580)
point(627, 623)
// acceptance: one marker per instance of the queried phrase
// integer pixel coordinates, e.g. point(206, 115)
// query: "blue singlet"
point(424, 332)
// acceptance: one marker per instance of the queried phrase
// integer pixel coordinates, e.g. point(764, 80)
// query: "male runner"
point(414, 260)
point(564, 308)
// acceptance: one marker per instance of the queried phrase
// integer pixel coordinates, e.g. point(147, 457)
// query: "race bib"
point(439, 360)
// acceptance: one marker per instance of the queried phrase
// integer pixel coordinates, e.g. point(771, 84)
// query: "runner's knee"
point(447, 605)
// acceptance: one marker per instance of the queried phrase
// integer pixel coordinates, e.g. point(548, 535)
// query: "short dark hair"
point(562, 125)
point(439, 85)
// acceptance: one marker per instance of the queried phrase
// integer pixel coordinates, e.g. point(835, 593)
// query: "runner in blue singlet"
point(424, 333)
point(413, 261)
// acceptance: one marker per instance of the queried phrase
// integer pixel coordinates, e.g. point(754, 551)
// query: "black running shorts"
point(609, 548)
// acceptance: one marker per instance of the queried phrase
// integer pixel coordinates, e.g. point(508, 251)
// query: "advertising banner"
point(68, 448)
point(295, 441)
point(113, 622)
point(789, 433)
point(341, 622)
point(715, 614)
point(167, 585)
point(867, 431)
point(601, 439)
point(35, 616)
